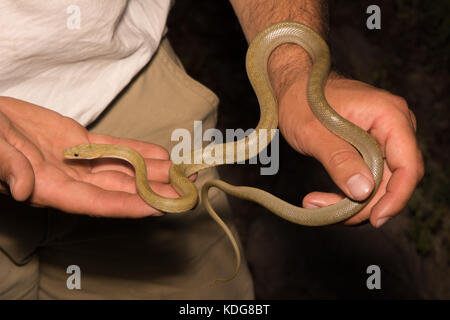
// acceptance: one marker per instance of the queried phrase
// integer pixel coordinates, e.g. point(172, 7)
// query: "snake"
point(257, 57)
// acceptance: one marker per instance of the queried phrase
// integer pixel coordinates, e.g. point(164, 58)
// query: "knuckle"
point(400, 103)
point(389, 100)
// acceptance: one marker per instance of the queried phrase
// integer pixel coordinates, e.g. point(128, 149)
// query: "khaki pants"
point(176, 256)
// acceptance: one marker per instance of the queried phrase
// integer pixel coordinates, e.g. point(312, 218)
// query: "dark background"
point(409, 56)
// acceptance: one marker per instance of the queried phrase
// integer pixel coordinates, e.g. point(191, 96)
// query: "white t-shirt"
point(75, 56)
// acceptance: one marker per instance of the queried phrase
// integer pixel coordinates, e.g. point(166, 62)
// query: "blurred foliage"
point(429, 205)
point(427, 25)
point(425, 40)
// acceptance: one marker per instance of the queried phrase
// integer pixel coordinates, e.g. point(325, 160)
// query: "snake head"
point(82, 151)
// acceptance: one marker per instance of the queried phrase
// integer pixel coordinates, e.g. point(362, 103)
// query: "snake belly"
point(256, 64)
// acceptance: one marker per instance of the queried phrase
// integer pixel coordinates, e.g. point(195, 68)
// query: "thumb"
point(345, 166)
point(16, 171)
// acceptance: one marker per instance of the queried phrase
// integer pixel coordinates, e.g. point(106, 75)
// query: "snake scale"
point(256, 64)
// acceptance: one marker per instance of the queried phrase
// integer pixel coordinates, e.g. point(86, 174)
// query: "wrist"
point(288, 64)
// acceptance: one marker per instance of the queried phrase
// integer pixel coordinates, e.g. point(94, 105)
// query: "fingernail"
point(359, 186)
point(382, 221)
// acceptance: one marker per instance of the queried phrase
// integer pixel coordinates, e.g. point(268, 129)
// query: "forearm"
point(288, 61)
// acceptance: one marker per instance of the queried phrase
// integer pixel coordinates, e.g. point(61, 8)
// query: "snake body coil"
point(256, 62)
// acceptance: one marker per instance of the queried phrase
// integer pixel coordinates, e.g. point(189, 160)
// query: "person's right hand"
point(32, 139)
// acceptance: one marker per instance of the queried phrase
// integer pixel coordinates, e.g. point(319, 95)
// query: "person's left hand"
point(385, 116)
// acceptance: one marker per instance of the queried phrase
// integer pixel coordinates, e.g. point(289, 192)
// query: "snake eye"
point(76, 154)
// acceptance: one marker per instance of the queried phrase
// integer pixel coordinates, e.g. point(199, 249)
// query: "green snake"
point(256, 64)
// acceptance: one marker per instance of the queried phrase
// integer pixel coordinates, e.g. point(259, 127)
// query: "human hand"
point(385, 116)
point(32, 139)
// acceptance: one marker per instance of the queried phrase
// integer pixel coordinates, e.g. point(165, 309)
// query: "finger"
point(324, 199)
point(317, 199)
point(147, 150)
point(398, 191)
point(343, 163)
point(366, 212)
point(15, 137)
point(84, 198)
point(16, 171)
point(157, 170)
point(404, 160)
point(118, 181)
